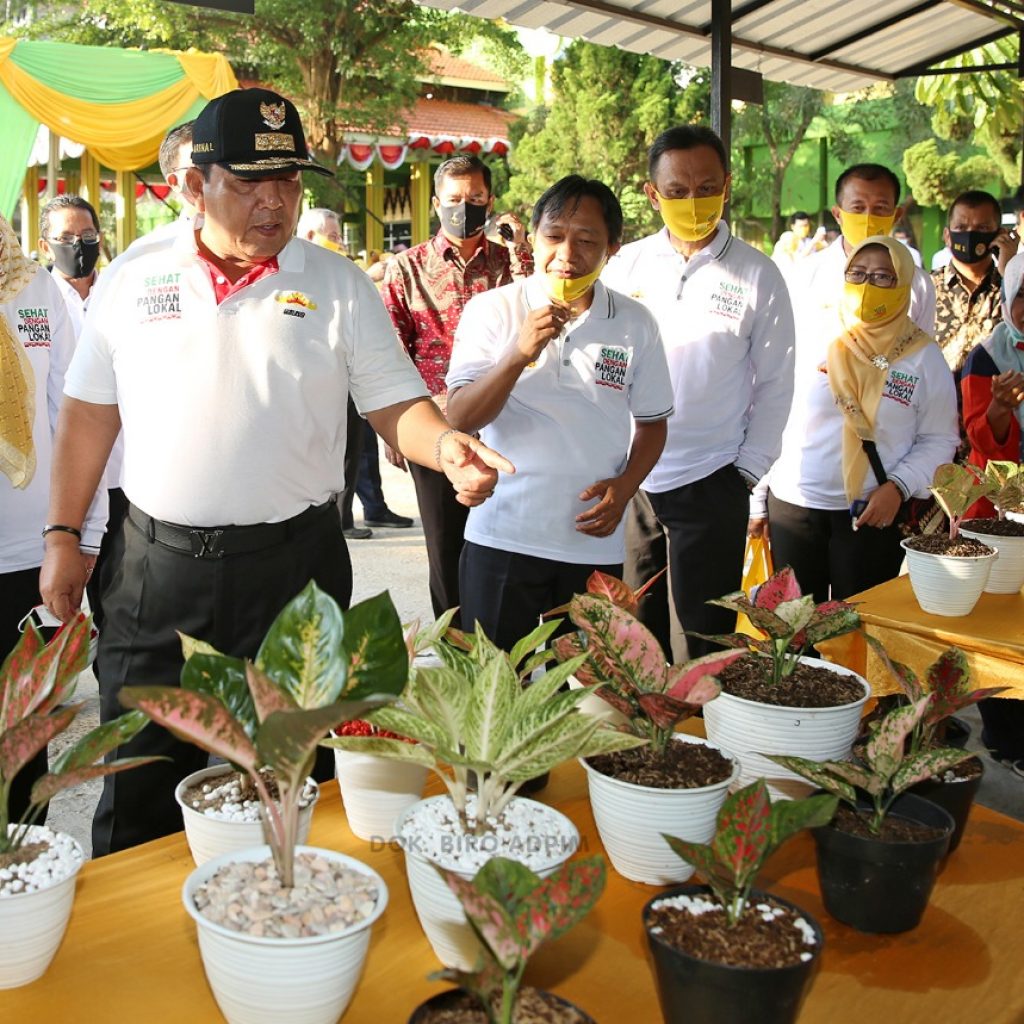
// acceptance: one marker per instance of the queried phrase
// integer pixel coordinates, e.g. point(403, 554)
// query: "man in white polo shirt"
point(228, 357)
point(727, 325)
point(556, 369)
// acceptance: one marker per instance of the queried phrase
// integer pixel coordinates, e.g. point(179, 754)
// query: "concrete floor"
point(396, 560)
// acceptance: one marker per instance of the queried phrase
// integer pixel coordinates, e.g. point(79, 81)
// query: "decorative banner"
point(360, 155)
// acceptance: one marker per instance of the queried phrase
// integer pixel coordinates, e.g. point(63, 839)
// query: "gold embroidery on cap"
point(274, 140)
point(273, 114)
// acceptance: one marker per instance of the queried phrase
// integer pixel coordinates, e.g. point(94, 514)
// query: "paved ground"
point(395, 560)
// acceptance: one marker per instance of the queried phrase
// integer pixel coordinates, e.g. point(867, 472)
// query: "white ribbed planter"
point(1007, 575)
point(632, 818)
point(32, 925)
point(1015, 517)
point(270, 980)
point(945, 584)
point(440, 913)
point(746, 729)
point(210, 837)
point(376, 791)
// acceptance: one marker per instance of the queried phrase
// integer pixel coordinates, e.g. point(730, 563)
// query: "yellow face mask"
point(802, 229)
point(691, 219)
point(869, 304)
point(326, 243)
point(858, 226)
point(569, 289)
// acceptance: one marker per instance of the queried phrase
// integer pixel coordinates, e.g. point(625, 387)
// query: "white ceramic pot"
point(1007, 575)
point(210, 837)
point(32, 925)
point(631, 819)
point(945, 584)
point(440, 913)
point(270, 980)
point(376, 790)
point(746, 729)
point(1015, 517)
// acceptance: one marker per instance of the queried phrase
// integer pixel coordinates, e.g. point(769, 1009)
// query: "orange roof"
point(444, 117)
point(442, 64)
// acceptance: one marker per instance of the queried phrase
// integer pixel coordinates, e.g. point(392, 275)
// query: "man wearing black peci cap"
point(228, 358)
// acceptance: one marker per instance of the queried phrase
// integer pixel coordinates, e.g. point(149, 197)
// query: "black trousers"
point(19, 594)
point(506, 593)
point(706, 523)
point(830, 558)
point(444, 528)
point(647, 555)
point(110, 554)
point(229, 602)
point(353, 454)
point(368, 486)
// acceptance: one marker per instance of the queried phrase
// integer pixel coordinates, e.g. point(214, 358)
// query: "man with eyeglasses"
point(69, 235)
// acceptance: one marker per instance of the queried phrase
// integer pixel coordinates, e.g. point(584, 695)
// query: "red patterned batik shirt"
point(426, 288)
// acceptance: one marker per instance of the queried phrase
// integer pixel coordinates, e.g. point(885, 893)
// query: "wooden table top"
point(130, 954)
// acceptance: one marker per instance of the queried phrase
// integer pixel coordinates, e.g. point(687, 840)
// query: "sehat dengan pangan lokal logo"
point(253, 133)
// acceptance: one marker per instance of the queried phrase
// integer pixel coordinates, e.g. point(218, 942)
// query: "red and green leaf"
point(925, 765)
point(695, 681)
point(744, 830)
point(763, 618)
point(884, 750)
point(791, 816)
point(830, 619)
point(903, 674)
point(700, 855)
point(612, 589)
point(51, 784)
point(98, 742)
point(223, 677)
point(20, 743)
point(265, 697)
point(780, 588)
point(818, 773)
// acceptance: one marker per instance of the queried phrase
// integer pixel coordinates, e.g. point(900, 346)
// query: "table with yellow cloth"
point(130, 954)
point(992, 637)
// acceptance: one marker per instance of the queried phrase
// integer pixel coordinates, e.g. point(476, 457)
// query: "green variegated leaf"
point(565, 739)
point(455, 660)
point(701, 856)
point(797, 613)
point(925, 765)
point(441, 696)
point(304, 650)
point(427, 638)
point(535, 661)
point(608, 741)
point(743, 831)
point(416, 727)
point(791, 816)
point(830, 619)
point(855, 774)
point(99, 742)
point(47, 787)
point(550, 683)
point(818, 773)
point(765, 620)
point(884, 749)
point(378, 662)
point(224, 678)
point(490, 709)
point(190, 645)
point(377, 746)
point(534, 639)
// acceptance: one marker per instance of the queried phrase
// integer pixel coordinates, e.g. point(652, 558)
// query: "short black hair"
point(868, 172)
point(684, 136)
point(63, 203)
point(461, 166)
point(173, 141)
point(974, 198)
point(569, 191)
point(799, 215)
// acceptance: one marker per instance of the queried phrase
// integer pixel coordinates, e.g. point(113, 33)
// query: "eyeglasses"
point(879, 278)
point(87, 237)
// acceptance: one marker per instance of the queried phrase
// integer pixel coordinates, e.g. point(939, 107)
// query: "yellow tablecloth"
point(992, 637)
point(130, 954)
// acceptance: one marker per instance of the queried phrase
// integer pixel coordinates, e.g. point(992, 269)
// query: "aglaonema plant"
point(620, 593)
point(956, 488)
point(474, 713)
point(512, 911)
point(316, 668)
point(748, 830)
point(614, 651)
point(36, 681)
point(1004, 485)
point(792, 622)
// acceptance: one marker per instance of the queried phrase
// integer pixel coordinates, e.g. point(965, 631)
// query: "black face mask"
point(971, 246)
point(75, 259)
point(464, 220)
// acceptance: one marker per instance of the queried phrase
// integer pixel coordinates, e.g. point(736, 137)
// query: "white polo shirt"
point(235, 413)
point(567, 422)
point(727, 325)
point(75, 303)
point(38, 319)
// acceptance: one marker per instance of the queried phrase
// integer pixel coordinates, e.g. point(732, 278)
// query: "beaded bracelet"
point(438, 442)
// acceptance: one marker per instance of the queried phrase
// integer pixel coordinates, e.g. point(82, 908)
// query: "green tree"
point(936, 179)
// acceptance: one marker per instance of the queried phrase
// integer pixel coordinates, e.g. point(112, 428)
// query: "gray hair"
point(315, 220)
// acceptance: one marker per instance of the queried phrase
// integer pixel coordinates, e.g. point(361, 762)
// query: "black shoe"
point(389, 519)
point(357, 533)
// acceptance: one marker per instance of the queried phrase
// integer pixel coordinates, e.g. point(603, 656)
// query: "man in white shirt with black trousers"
point(727, 325)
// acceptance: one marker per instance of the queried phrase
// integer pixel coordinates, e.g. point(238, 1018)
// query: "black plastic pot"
point(958, 732)
point(955, 797)
point(878, 886)
point(701, 992)
point(443, 1000)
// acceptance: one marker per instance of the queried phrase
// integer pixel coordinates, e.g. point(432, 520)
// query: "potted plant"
point(777, 699)
point(878, 858)
point(672, 781)
point(283, 929)
point(37, 865)
point(512, 911)
point(1005, 489)
point(948, 574)
point(948, 689)
point(473, 714)
point(313, 652)
point(723, 948)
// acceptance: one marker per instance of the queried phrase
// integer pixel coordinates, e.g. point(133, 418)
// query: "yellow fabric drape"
point(122, 136)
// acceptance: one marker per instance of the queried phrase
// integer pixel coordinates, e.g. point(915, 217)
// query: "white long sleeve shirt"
point(727, 325)
point(38, 319)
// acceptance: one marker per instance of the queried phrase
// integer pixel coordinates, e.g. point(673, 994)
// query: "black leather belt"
point(221, 541)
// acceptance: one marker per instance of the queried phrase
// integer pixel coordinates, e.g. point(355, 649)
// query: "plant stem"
point(509, 990)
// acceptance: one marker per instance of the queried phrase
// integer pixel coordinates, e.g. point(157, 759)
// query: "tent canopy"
point(119, 104)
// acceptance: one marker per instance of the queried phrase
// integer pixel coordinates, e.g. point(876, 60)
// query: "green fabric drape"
point(20, 129)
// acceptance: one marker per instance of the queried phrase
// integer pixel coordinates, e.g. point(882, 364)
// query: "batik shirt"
point(426, 288)
point(963, 318)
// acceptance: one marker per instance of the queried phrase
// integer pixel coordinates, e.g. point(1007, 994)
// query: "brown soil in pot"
point(940, 544)
point(533, 1006)
point(24, 854)
point(684, 766)
point(894, 828)
point(810, 686)
point(994, 527)
point(752, 942)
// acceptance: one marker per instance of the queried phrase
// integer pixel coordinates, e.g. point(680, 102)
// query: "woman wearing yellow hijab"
point(873, 415)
